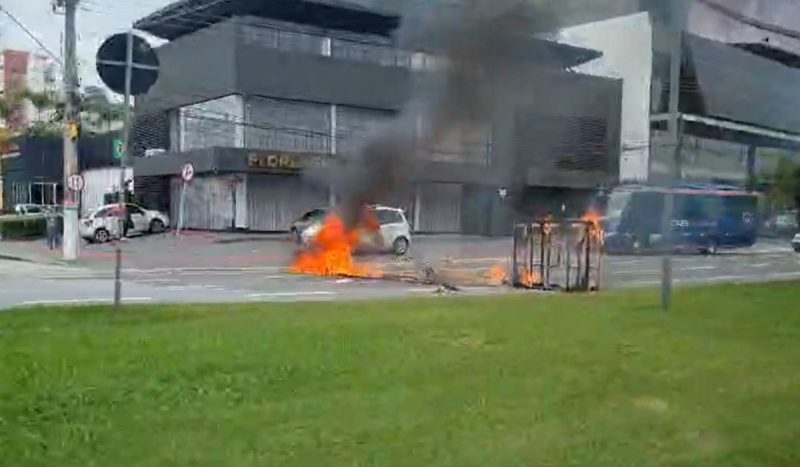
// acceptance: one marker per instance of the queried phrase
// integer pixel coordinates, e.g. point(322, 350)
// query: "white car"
point(103, 224)
point(796, 243)
point(28, 209)
point(394, 234)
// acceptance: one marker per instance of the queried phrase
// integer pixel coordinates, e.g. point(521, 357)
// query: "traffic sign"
point(112, 58)
point(187, 173)
point(75, 182)
point(119, 148)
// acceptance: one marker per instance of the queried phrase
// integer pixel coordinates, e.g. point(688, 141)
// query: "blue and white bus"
point(705, 219)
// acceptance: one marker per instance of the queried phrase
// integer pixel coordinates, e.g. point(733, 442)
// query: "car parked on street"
point(394, 232)
point(103, 224)
point(300, 228)
point(796, 243)
point(27, 209)
point(782, 224)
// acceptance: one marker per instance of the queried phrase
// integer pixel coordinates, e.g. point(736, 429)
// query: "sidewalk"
point(33, 251)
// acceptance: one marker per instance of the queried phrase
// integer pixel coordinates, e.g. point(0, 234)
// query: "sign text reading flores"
point(291, 162)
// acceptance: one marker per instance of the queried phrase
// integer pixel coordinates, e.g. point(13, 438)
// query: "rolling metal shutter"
point(440, 208)
point(208, 203)
point(275, 201)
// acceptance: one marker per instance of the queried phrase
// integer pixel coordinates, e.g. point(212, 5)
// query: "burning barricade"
point(558, 255)
point(547, 254)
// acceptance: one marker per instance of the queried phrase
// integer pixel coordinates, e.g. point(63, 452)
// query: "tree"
point(41, 101)
point(103, 113)
point(786, 185)
point(9, 103)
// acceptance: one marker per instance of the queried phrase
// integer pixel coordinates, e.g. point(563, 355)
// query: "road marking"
point(475, 260)
point(760, 265)
point(290, 294)
point(636, 271)
point(627, 261)
point(698, 268)
point(209, 269)
point(718, 279)
point(152, 281)
point(83, 300)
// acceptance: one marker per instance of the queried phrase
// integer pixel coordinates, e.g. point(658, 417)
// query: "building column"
point(331, 196)
point(417, 205)
point(751, 168)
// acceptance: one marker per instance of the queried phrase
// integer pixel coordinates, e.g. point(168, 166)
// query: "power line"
point(31, 35)
point(754, 22)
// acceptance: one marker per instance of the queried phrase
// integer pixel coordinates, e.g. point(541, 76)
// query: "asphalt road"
point(230, 268)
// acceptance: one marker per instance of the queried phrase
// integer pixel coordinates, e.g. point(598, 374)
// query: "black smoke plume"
point(486, 57)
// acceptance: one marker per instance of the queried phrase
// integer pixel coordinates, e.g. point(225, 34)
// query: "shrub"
point(22, 227)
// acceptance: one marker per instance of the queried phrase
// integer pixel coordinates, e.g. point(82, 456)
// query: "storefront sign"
point(285, 162)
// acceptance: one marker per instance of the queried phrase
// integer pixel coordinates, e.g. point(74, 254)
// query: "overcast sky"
point(97, 19)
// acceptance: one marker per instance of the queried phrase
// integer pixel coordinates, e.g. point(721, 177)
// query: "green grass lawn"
point(603, 380)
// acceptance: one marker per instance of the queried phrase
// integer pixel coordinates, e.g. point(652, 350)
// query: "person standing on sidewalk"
point(59, 227)
point(51, 220)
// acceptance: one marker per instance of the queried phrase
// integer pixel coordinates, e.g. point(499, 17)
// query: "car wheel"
point(400, 246)
point(296, 236)
point(711, 249)
point(157, 226)
point(797, 249)
point(101, 236)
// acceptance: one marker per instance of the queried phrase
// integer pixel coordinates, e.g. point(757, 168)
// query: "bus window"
point(694, 208)
point(646, 211)
point(739, 208)
point(617, 203)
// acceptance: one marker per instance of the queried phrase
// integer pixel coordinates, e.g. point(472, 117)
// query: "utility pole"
point(123, 164)
point(677, 21)
point(71, 131)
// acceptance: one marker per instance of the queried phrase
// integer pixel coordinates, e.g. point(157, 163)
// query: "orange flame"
point(595, 227)
point(497, 275)
point(530, 278)
point(331, 251)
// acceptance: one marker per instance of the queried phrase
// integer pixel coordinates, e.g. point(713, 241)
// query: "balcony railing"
point(345, 49)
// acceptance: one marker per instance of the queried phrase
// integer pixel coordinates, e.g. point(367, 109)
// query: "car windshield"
point(314, 215)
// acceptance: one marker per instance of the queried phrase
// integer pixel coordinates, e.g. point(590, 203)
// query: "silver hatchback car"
point(394, 234)
point(103, 224)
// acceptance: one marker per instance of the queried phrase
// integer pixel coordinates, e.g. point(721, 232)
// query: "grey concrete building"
point(736, 104)
point(264, 97)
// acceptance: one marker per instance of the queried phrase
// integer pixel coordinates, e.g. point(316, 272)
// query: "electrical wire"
point(31, 35)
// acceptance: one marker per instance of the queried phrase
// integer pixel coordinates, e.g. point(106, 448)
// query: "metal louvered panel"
point(208, 204)
point(275, 201)
point(440, 208)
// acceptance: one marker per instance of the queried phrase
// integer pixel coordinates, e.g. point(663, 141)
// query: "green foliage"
point(786, 183)
point(528, 380)
point(22, 227)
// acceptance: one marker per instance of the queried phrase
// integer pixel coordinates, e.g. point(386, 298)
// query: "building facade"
point(734, 107)
point(34, 172)
point(26, 71)
point(267, 101)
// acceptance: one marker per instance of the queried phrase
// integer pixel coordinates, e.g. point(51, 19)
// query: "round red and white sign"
point(187, 173)
point(75, 182)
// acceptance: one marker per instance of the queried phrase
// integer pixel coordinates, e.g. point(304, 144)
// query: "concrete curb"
point(14, 258)
point(31, 259)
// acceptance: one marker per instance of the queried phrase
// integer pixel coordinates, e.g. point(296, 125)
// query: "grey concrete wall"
point(268, 72)
point(194, 68)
